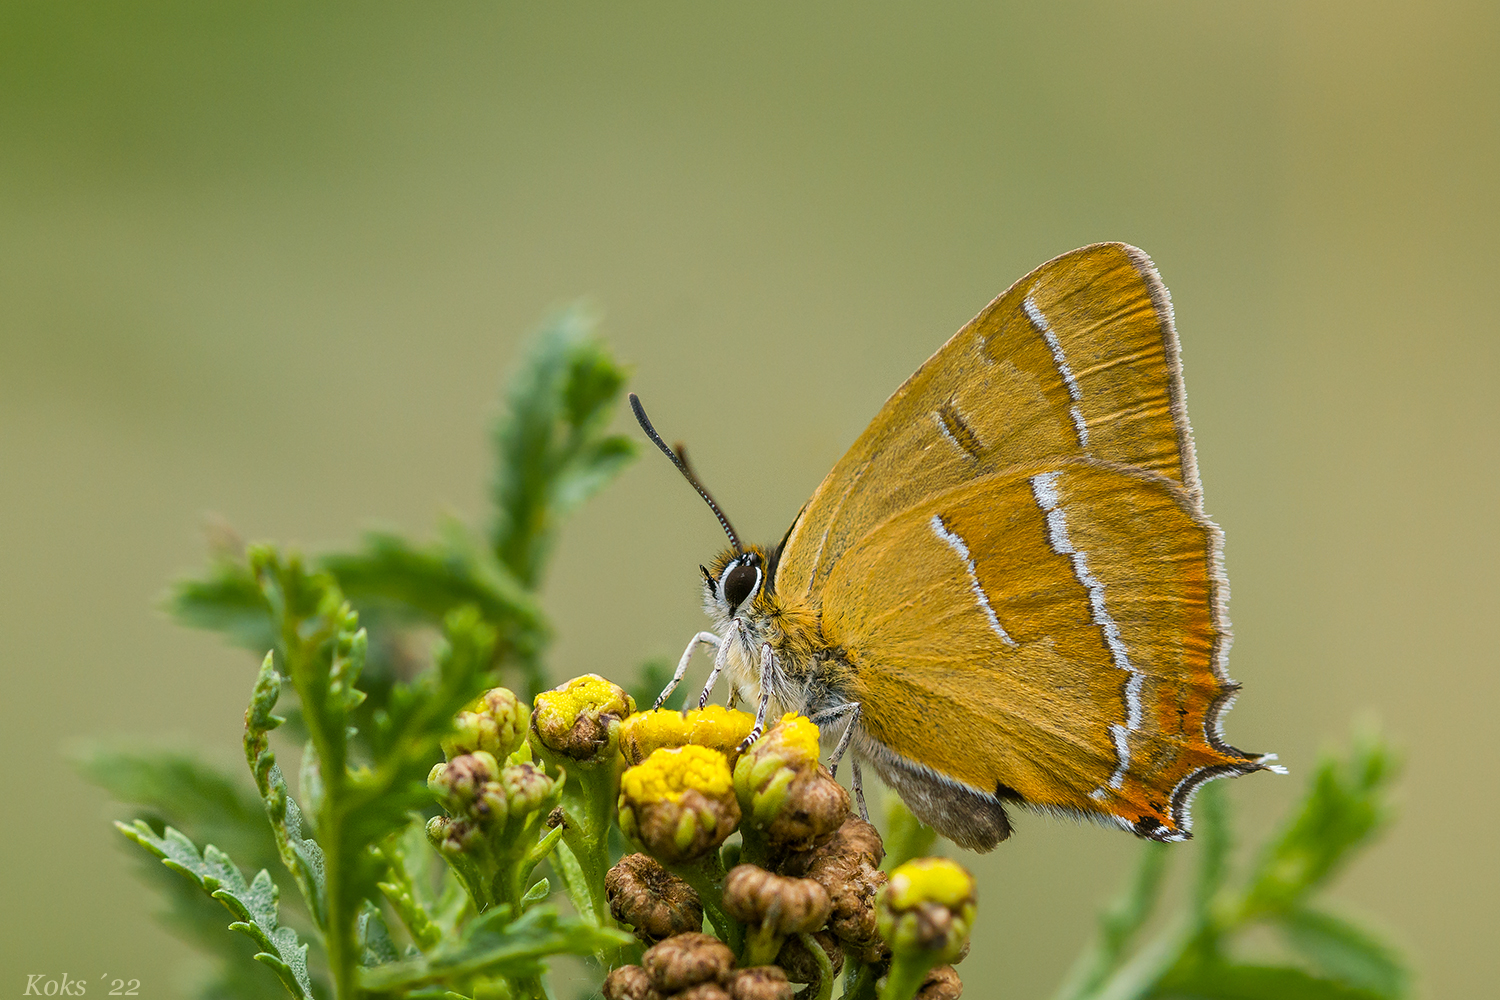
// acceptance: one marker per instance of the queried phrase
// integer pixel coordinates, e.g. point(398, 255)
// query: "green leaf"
point(426, 583)
point(407, 739)
point(493, 945)
point(301, 855)
point(199, 920)
point(1225, 981)
point(408, 883)
point(907, 837)
point(1345, 807)
point(1350, 954)
point(253, 904)
point(375, 945)
point(539, 891)
point(229, 600)
point(553, 452)
point(184, 793)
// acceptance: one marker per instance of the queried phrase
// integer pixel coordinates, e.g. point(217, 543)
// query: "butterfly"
point(1007, 591)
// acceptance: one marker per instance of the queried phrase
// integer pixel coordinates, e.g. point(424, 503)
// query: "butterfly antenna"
point(680, 460)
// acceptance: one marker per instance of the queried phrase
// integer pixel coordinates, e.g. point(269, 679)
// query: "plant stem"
point(1137, 977)
point(906, 976)
point(825, 966)
point(706, 876)
point(859, 982)
point(761, 946)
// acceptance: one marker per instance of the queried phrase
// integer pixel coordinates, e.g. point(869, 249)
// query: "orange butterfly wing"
point(1106, 698)
point(1077, 358)
point(1057, 625)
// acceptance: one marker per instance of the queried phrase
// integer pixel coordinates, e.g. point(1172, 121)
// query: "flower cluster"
point(800, 897)
point(493, 812)
point(695, 967)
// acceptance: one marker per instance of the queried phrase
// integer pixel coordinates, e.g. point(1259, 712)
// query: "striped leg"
point(707, 639)
point(720, 662)
point(767, 658)
point(849, 710)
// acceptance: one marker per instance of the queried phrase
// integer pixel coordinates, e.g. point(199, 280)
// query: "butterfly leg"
point(849, 710)
point(857, 785)
point(720, 662)
point(708, 639)
point(767, 658)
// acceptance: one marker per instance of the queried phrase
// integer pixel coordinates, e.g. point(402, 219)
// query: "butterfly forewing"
point(1079, 358)
point(1058, 624)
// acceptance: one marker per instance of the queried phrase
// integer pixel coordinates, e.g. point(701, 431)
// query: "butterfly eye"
point(739, 583)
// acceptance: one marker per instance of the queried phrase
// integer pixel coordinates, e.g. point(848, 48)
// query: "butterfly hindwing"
point(1060, 625)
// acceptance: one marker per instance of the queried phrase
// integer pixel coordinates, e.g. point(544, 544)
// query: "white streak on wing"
point(1061, 360)
point(957, 544)
point(1122, 750)
point(1133, 698)
point(937, 418)
point(1081, 427)
point(1044, 488)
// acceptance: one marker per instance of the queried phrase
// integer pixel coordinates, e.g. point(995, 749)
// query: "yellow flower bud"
point(679, 803)
point(784, 792)
point(576, 718)
point(716, 727)
point(927, 907)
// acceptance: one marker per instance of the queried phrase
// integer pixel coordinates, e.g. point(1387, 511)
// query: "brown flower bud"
point(651, 899)
point(764, 982)
point(576, 718)
point(856, 839)
point(775, 903)
point(457, 783)
point(702, 991)
point(801, 965)
point(814, 808)
point(847, 866)
point(685, 960)
point(942, 983)
point(629, 982)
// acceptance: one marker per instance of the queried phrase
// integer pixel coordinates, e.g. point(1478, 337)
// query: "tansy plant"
point(449, 837)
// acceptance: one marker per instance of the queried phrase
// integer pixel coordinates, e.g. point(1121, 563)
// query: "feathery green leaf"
point(552, 447)
point(252, 904)
point(494, 945)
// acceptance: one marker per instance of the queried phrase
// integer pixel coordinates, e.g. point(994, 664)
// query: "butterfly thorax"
point(748, 614)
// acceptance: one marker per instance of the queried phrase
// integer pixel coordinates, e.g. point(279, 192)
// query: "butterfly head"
point(737, 584)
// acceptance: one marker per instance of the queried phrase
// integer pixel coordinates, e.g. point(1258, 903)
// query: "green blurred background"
point(272, 262)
